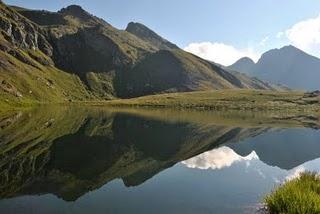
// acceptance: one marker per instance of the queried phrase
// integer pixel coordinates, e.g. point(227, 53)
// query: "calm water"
point(66, 160)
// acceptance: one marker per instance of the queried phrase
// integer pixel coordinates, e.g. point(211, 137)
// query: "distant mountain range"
point(73, 55)
point(288, 65)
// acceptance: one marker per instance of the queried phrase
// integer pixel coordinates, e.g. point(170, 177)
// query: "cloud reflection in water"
point(218, 158)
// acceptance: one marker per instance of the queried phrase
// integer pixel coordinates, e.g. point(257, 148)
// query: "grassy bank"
point(7, 103)
point(301, 195)
point(296, 103)
point(256, 100)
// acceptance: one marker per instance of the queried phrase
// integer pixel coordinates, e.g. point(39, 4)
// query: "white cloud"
point(263, 41)
point(306, 35)
point(220, 52)
point(217, 159)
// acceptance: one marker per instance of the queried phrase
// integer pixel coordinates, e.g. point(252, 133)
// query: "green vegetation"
point(254, 100)
point(22, 84)
point(300, 196)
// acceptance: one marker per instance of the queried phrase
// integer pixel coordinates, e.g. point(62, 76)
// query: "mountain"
point(289, 66)
point(243, 65)
point(73, 55)
point(27, 71)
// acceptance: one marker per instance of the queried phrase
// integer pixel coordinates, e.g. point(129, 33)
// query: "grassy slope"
point(25, 84)
point(27, 74)
point(301, 195)
point(26, 140)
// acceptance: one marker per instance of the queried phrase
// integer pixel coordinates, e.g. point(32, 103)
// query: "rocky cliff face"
point(18, 32)
point(26, 64)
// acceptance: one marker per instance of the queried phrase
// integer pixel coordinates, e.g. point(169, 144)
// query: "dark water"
point(63, 160)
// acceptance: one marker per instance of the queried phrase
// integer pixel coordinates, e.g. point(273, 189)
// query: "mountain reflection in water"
point(69, 152)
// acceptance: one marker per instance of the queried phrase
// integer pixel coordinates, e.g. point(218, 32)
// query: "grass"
point(298, 196)
point(253, 100)
point(22, 84)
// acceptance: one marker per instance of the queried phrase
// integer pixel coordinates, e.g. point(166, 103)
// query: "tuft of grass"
point(300, 196)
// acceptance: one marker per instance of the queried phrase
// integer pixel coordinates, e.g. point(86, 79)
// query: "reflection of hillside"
point(25, 144)
point(69, 152)
point(133, 149)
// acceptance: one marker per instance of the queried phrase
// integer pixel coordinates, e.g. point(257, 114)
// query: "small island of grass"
point(300, 195)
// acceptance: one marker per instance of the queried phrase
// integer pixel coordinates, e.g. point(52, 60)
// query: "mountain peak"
point(76, 11)
point(289, 66)
point(289, 47)
point(243, 65)
point(286, 49)
point(245, 60)
point(136, 24)
point(148, 35)
point(141, 30)
point(73, 8)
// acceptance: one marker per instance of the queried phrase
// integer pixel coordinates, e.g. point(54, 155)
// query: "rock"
point(22, 33)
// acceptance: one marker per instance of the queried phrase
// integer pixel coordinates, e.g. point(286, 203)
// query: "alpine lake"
point(129, 160)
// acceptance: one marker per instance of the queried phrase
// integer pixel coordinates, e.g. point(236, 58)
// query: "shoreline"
point(219, 100)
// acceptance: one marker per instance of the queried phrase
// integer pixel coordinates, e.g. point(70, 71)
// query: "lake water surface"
point(93, 160)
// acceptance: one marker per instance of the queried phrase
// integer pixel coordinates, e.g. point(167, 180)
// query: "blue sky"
point(246, 25)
